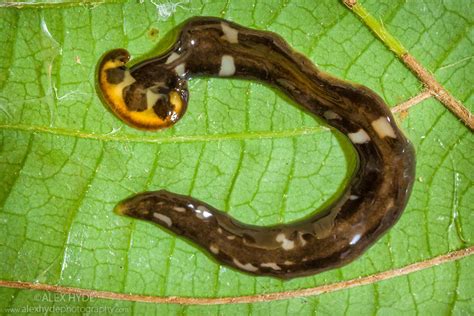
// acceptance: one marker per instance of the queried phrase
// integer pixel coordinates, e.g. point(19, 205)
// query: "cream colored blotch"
point(247, 266)
point(271, 265)
point(383, 128)
point(180, 70)
point(172, 58)
point(165, 219)
point(214, 249)
point(151, 98)
point(227, 66)
point(286, 243)
point(359, 137)
point(231, 35)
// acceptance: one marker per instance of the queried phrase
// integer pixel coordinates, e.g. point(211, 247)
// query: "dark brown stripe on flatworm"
point(115, 75)
point(162, 108)
point(371, 203)
point(135, 98)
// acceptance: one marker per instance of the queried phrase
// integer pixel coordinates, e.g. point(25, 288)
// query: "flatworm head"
point(145, 104)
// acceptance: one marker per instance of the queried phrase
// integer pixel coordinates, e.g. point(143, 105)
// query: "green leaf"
point(65, 161)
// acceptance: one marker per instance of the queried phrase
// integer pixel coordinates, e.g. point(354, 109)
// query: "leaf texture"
point(65, 161)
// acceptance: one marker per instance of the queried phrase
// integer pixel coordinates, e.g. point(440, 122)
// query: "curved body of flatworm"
point(153, 94)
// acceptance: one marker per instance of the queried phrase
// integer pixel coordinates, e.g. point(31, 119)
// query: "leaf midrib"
point(110, 137)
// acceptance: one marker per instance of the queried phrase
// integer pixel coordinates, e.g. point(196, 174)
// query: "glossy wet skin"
point(153, 94)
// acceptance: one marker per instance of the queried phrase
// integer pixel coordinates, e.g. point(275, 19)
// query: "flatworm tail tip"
point(120, 209)
point(132, 102)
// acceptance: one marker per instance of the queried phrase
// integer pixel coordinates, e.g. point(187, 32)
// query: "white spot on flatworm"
point(165, 219)
point(180, 70)
point(231, 237)
point(355, 239)
point(288, 262)
point(202, 212)
point(214, 249)
point(285, 243)
point(172, 58)
point(231, 35)
point(272, 265)
point(179, 209)
point(219, 230)
point(227, 66)
point(383, 128)
point(330, 115)
point(353, 197)
point(359, 137)
point(247, 266)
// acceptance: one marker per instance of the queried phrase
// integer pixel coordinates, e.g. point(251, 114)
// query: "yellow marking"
point(113, 95)
point(176, 100)
point(120, 209)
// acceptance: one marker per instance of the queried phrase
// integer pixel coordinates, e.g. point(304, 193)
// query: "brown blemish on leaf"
point(153, 33)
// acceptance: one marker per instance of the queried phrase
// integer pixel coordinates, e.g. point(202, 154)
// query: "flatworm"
point(153, 94)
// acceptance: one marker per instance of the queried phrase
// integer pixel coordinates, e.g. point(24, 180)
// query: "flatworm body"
point(153, 94)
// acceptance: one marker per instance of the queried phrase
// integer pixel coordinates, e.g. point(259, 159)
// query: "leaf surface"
point(65, 161)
